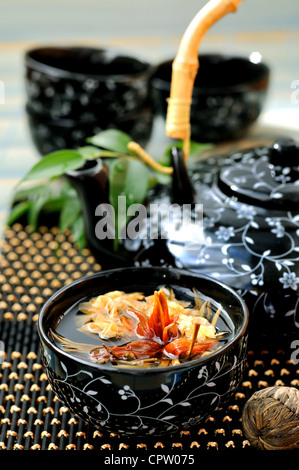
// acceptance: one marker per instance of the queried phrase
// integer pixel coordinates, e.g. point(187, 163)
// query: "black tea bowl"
point(51, 134)
point(149, 401)
point(85, 83)
point(228, 95)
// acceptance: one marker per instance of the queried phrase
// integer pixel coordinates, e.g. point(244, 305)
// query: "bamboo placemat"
point(35, 265)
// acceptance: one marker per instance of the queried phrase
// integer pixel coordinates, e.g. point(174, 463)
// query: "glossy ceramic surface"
point(85, 83)
point(144, 401)
point(75, 92)
point(51, 134)
point(228, 95)
point(251, 213)
point(248, 230)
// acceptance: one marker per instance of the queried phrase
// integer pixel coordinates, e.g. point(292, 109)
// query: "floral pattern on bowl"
point(112, 406)
point(152, 400)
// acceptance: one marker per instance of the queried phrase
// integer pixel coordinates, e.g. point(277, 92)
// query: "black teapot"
point(240, 226)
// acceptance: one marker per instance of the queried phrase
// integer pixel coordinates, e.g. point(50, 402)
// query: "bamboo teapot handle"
point(185, 67)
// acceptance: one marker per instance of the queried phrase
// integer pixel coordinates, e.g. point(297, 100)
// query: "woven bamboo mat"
point(33, 266)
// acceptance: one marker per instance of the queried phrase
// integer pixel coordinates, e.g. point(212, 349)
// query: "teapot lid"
point(269, 179)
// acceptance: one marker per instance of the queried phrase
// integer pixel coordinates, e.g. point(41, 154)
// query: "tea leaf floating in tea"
point(154, 330)
point(185, 67)
point(271, 418)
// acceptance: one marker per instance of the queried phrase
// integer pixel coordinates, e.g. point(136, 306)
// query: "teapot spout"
point(92, 186)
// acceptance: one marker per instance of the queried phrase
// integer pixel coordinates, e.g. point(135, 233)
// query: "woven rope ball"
point(270, 418)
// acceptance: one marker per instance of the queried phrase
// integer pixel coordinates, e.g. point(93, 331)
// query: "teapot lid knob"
point(285, 153)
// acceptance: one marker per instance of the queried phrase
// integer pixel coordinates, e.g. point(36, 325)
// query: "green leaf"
point(129, 178)
point(53, 204)
point(111, 139)
point(55, 164)
point(24, 193)
point(36, 207)
point(89, 152)
point(70, 211)
point(78, 233)
point(161, 178)
point(17, 211)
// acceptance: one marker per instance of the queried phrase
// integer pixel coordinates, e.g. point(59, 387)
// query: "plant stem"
point(148, 160)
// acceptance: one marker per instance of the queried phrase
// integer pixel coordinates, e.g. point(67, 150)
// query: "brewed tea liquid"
point(80, 343)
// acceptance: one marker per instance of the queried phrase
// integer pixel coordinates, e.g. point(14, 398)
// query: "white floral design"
point(125, 392)
point(279, 230)
point(289, 280)
point(236, 233)
point(245, 211)
point(247, 246)
point(208, 222)
point(225, 233)
point(161, 414)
